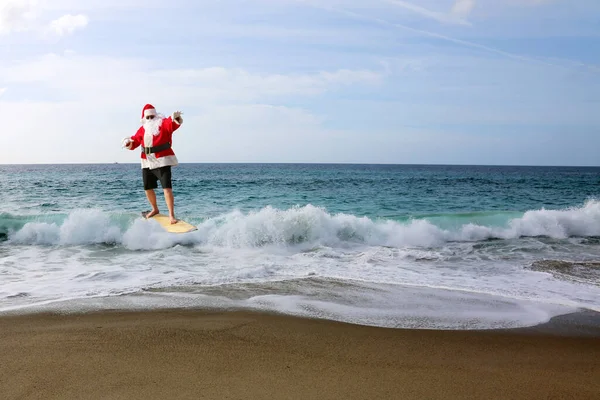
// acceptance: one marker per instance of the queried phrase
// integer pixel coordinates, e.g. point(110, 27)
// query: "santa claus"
point(157, 156)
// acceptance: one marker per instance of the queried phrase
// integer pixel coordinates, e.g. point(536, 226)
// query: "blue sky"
point(362, 81)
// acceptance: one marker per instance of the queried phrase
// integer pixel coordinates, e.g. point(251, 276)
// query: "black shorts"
point(152, 176)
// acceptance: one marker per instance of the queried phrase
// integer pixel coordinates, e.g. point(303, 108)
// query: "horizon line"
point(313, 163)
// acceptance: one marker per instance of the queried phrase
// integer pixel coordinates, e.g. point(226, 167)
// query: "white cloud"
point(17, 15)
point(27, 15)
point(2, 90)
point(99, 78)
point(242, 85)
point(67, 24)
point(242, 113)
point(218, 102)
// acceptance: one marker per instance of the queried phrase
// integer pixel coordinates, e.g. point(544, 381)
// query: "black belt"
point(156, 149)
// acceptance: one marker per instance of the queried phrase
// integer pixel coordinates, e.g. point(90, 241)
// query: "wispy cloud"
point(67, 24)
point(462, 8)
point(79, 77)
point(452, 18)
point(465, 7)
point(458, 14)
point(16, 15)
point(429, 34)
point(27, 15)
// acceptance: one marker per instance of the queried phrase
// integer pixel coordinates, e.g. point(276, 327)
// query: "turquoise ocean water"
point(457, 247)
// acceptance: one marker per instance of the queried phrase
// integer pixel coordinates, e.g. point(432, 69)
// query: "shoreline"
point(582, 323)
point(578, 323)
point(215, 354)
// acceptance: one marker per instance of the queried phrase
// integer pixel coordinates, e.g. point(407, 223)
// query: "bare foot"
point(174, 220)
point(152, 214)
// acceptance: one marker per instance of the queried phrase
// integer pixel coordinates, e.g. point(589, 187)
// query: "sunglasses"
point(150, 117)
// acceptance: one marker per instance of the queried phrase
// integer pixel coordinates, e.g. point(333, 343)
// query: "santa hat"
point(148, 110)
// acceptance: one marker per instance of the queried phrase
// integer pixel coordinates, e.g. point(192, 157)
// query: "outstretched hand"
point(177, 117)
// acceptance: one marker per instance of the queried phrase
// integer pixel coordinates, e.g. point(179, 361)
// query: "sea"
point(399, 246)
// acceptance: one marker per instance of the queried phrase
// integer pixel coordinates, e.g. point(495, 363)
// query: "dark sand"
point(244, 355)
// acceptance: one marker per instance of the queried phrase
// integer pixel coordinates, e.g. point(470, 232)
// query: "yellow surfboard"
point(165, 222)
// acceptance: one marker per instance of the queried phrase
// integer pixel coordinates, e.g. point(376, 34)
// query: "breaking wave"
point(307, 225)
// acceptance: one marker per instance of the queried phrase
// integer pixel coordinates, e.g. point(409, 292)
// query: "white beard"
point(151, 129)
point(151, 125)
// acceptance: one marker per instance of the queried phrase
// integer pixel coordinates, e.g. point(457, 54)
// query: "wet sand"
point(188, 354)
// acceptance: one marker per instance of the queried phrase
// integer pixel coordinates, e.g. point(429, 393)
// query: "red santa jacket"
point(158, 134)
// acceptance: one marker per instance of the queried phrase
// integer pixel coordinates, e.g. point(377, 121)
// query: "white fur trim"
point(148, 138)
point(150, 111)
point(152, 162)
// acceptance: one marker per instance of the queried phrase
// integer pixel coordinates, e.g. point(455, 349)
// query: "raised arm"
point(177, 118)
point(172, 122)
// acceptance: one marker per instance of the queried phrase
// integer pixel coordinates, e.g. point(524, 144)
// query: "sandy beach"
point(243, 355)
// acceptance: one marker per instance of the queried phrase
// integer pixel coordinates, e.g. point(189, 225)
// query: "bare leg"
point(170, 204)
point(152, 199)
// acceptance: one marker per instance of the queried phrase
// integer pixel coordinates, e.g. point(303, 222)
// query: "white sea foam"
point(309, 224)
point(47, 262)
point(384, 305)
point(80, 227)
